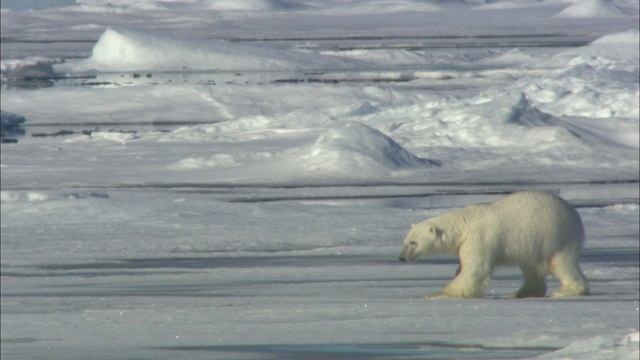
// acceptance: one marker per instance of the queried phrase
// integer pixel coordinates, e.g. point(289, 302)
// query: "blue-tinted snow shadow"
point(620, 257)
point(258, 261)
point(427, 350)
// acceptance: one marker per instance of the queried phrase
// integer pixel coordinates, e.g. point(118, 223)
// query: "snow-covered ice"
point(213, 179)
point(600, 347)
point(122, 50)
point(592, 9)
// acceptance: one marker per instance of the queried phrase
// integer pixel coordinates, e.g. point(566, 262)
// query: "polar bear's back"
point(530, 226)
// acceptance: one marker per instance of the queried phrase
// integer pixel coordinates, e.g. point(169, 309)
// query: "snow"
point(218, 5)
point(340, 152)
point(320, 7)
point(601, 348)
point(378, 6)
point(611, 132)
point(249, 5)
point(356, 148)
point(233, 179)
point(592, 9)
point(629, 37)
point(618, 46)
point(121, 50)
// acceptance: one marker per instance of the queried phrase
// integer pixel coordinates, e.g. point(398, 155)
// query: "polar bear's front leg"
point(468, 284)
point(437, 296)
point(472, 277)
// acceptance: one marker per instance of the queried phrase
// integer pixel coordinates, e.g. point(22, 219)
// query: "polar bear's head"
point(422, 239)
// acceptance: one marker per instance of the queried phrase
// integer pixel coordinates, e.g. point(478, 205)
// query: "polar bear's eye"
point(413, 243)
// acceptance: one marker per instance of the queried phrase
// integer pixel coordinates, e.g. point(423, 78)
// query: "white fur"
point(537, 231)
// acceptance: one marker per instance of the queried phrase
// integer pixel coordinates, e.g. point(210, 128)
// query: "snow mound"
point(606, 131)
point(248, 5)
point(117, 5)
point(121, 50)
point(505, 4)
point(219, 5)
point(600, 348)
point(378, 7)
point(223, 161)
point(629, 37)
point(590, 9)
point(358, 149)
point(618, 46)
point(218, 160)
point(513, 56)
point(379, 56)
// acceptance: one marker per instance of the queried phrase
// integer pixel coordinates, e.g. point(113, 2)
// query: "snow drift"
point(607, 131)
point(604, 347)
point(352, 151)
point(249, 5)
point(218, 5)
point(121, 50)
point(592, 9)
point(358, 7)
point(618, 46)
point(357, 149)
point(630, 37)
point(526, 115)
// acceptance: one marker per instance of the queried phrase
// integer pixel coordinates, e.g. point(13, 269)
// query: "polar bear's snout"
point(408, 253)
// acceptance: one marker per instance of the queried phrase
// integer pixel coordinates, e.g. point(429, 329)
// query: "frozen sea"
point(224, 179)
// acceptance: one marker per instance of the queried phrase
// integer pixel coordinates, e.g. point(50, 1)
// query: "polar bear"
point(535, 230)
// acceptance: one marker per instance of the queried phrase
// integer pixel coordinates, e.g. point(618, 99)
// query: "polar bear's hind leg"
point(534, 284)
point(564, 266)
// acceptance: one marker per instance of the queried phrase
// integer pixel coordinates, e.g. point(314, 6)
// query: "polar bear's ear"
point(435, 231)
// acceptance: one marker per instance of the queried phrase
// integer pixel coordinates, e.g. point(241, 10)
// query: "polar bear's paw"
point(572, 290)
point(526, 292)
point(437, 296)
